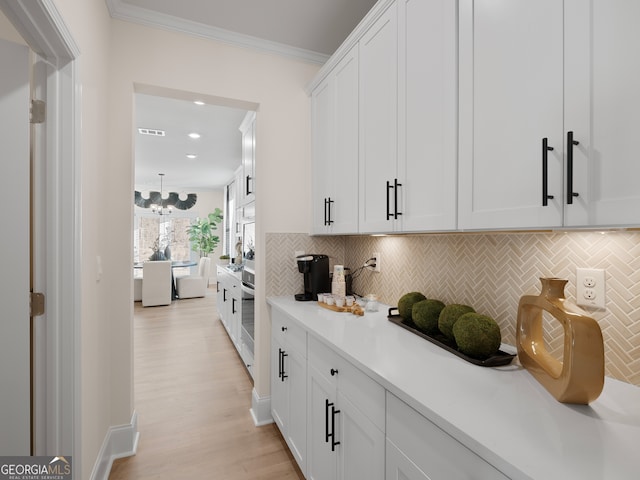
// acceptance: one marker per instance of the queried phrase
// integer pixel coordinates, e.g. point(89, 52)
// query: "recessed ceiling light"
point(194, 135)
point(191, 155)
point(198, 102)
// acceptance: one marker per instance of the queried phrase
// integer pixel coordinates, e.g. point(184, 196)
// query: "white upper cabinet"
point(510, 100)
point(378, 175)
point(247, 188)
point(602, 98)
point(408, 79)
point(334, 106)
point(548, 102)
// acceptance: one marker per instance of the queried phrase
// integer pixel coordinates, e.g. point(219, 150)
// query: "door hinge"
point(36, 304)
point(38, 111)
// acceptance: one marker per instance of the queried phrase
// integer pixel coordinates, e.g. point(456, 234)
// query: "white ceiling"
point(310, 30)
point(218, 149)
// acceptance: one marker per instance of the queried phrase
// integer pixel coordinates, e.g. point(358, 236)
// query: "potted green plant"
point(224, 259)
point(201, 233)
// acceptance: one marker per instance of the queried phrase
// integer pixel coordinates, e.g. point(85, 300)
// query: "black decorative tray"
point(499, 359)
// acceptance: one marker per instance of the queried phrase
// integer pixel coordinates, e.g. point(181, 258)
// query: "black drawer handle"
point(570, 143)
point(284, 329)
point(389, 187)
point(545, 172)
point(284, 375)
point(334, 372)
point(395, 198)
point(334, 412)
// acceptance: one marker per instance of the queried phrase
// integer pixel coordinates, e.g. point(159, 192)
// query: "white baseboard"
point(260, 409)
point(120, 441)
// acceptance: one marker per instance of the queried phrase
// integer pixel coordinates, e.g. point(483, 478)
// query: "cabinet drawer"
point(432, 450)
point(366, 394)
point(288, 333)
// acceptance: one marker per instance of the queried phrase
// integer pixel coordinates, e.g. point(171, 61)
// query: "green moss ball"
point(405, 304)
point(450, 315)
point(425, 315)
point(477, 335)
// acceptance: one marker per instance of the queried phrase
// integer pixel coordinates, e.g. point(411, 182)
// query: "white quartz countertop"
point(503, 414)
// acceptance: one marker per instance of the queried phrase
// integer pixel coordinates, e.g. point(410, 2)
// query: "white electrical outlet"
point(376, 255)
point(590, 288)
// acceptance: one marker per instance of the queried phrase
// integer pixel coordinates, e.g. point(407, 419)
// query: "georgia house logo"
point(35, 468)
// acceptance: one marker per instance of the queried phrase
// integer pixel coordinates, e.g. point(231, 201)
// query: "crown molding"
point(131, 13)
point(354, 37)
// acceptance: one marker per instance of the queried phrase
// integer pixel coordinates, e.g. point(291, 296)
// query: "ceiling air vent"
point(151, 131)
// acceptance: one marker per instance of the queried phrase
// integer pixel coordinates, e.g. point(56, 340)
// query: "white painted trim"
point(260, 409)
point(121, 441)
point(143, 16)
point(41, 25)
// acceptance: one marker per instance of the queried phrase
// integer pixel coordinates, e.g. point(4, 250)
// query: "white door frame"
point(42, 27)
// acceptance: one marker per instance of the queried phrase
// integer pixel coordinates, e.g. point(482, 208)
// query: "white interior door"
point(15, 378)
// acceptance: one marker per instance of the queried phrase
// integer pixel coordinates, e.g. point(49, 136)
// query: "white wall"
point(101, 399)
point(143, 57)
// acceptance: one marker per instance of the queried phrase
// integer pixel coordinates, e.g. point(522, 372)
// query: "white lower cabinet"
point(399, 467)
point(340, 424)
point(289, 384)
point(418, 449)
point(345, 429)
point(229, 303)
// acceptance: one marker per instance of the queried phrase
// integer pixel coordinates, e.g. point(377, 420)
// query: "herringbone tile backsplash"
point(489, 272)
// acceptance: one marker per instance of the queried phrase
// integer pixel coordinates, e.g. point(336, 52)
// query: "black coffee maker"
point(315, 269)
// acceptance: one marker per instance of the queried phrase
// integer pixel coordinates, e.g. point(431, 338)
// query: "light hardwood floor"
point(192, 395)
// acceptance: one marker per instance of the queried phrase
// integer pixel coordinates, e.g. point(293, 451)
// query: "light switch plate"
point(590, 288)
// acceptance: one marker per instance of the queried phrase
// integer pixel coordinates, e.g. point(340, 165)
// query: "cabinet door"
point(235, 313)
point(399, 467)
point(220, 294)
point(322, 128)
point(433, 451)
point(378, 123)
point(335, 149)
point(343, 212)
point(248, 180)
point(427, 119)
point(511, 97)
point(602, 103)
point(279, 396)
point(321, 397)
point(295, 369)
point(361, 449)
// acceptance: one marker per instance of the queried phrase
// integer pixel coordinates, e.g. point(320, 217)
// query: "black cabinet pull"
point(279, 363)
point(334, 412)
point(284, 329)
point(570, 143)
point(217, 287)
point(249, 192)
point(389, 214)
point(325, 211)
point(329, 202)
point(334, 372)
point(330, 434)
point(326, 420)
point(233, 306)
point(395, 198)
point(283, 372)
point(545, 172)
point(224, 294)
